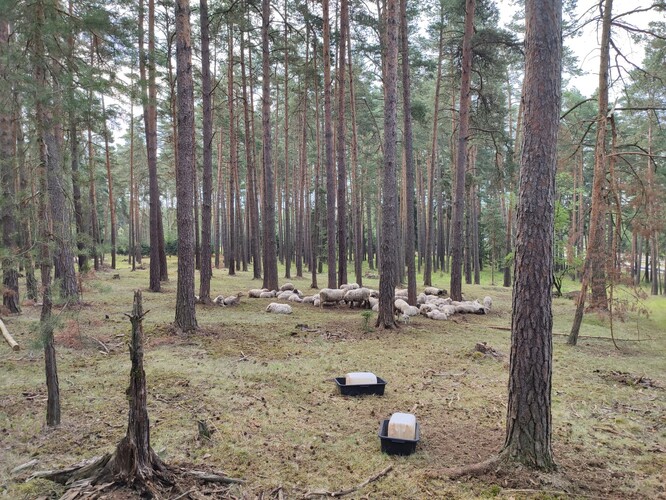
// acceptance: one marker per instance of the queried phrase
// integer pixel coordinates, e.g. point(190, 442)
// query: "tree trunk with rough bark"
point(458, 184)
point(10, 295)
point(341, 143)
point(185, 318)
point(206, 271)
point(328, 148)
point(529, 423)
point(109, 179)
point(268, 198)
point(432, 163)
point(388, 254)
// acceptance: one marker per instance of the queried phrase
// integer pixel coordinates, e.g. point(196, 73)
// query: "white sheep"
point(276, 308)
point(487, 303)
point(308, 299)
point(360, 296)
point(285, 295)
point(448, 309)
point(469, 307)
point(401, 292)
point(421, 298)
point(330, 296)
point(400, 305)
point(437, 314)
point(255, 293)
point(219, 300)
point(267, 295)
point(349, 286)
point(294, 298)
point(410, 311)
point(374, 301)
point(233, 300)
point(287, 286)
point(431, 290)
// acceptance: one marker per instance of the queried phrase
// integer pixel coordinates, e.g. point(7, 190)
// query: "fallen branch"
point(527, 490)
point(212, 478)
point(24, 466)
point(10, 340)
point(503, 328)
point(324, 493)
point(603, 338)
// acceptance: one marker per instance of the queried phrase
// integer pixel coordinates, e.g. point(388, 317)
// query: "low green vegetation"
point(263, 384)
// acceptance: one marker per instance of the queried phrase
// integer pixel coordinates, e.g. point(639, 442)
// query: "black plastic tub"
point(393, 446)
point(360, 389)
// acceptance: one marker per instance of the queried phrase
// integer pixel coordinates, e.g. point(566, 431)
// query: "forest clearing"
point(263, 384)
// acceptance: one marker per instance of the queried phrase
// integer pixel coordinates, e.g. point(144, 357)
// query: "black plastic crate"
point(360, 389)
point(393, 446)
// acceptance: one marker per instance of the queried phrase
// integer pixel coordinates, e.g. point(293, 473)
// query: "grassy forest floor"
point(264, 384)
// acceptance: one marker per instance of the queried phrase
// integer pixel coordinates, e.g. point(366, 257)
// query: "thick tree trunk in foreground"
point(458, 184)
point(185, 318)
point(268, 198)
point(529, 425)
point(388, 253)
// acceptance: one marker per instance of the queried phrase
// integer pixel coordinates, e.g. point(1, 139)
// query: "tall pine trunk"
point(388, 254)
point(328, 148)
point(268, 199)
point(185, 308)
point(206, 271)
point(529, 421)
point(458, 184)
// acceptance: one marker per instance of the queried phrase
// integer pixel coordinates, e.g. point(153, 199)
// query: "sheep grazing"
point(255, 293)
point(349, 286)
point(487, 303)
point(267, 295)
point(399, 305)
point(277, 308)
point(219, 300)
point(358, 296)
point(287, 286)
point(431, 290)
point(330, 296)
point(411, 311)
point(233, 300)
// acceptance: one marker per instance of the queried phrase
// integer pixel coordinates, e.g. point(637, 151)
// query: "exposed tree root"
point(477, 469)
point(347, 491)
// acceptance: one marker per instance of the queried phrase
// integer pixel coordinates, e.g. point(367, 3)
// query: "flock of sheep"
point(431, 303)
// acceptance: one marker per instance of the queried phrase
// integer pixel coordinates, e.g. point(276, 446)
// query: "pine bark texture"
point(185, 308)
point(10, 292)
point(328, 149)
point(268, 198)
point(529, 425)
point(340, 144)
point(389, 206)
point(409, 156)
point(458, 184)
point(206, 271)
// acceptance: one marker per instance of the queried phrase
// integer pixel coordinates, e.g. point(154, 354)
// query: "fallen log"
point(10, 340)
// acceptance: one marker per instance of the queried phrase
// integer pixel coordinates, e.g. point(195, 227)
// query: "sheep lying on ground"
point(284, 295)
point(219, 300)
point(330, 296)
point(267, 295)
point(309, 299)
point(287, 286)
point(437, 314)
point(431, 290)
point(358, 296)
point(233, 300)
point(276, 308)
point(294, 297)
point(255, 293)
point(469, 307)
